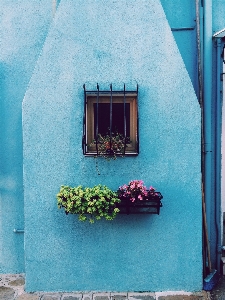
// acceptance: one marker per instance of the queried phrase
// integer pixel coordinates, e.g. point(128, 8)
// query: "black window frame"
point(96, 97)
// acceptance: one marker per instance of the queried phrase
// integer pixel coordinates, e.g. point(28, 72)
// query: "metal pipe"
point(182, 28)
point(218, 154)
point(207, 108)
point(18, 230)
point(198, 33)
point(199, 36)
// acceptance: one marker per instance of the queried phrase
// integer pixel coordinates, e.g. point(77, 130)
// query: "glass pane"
point(117, 118)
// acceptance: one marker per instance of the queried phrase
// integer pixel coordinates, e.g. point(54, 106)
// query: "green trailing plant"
point(89, 203)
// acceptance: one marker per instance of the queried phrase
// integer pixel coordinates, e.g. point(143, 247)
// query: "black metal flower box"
point(149, 205)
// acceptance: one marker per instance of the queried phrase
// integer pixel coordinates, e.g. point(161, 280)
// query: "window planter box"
point(101, 202)
point(150, 205)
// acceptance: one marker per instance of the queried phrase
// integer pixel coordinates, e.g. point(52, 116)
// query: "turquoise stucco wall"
point(23, 27)
point(218, 10)
point(116, 42)
point(181, 14)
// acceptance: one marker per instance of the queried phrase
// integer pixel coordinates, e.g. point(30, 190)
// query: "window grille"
point(112, 114)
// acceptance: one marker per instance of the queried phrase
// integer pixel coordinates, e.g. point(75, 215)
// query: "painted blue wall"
point(115, 42)
point(23, 27)
point(181, 14)
point(218, 11)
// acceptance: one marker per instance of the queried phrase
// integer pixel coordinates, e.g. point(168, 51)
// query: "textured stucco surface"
point(180, 15)
point(23, 27)
point(112, 42)
point(218, 12)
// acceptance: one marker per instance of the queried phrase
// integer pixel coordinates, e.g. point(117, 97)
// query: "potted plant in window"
point(110, 146)
point(136, 198)
point(89, 203)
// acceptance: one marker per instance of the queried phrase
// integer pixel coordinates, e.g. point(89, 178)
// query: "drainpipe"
point(219, 37)
point(218, 153)
point(207, 107)
point(218, 132)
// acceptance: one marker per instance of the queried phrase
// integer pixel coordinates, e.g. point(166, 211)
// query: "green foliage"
point(89, 203)
point(111, 146)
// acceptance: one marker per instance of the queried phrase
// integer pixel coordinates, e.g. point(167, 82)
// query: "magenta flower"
point(136, 190)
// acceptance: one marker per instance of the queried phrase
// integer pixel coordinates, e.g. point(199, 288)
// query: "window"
point(110, 118)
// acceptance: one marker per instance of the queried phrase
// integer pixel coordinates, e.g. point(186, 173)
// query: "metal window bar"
point(96, 133)
point(124, 118)
point(137, 137)
point(110, 121)
point(84, 122)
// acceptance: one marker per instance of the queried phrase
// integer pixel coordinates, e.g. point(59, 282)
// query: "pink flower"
point(136, 189)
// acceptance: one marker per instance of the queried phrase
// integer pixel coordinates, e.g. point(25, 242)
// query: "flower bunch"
point(109, 146)
point(136, 190)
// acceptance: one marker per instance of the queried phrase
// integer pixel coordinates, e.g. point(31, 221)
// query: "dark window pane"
point(117, 118)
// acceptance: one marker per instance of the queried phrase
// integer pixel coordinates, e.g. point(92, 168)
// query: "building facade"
point(49, 52)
